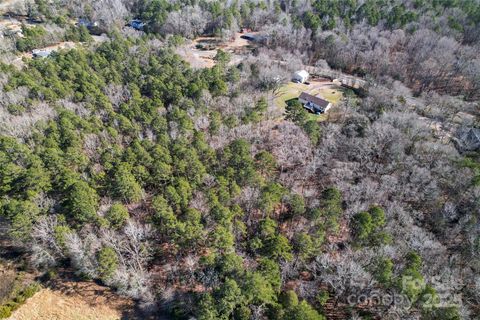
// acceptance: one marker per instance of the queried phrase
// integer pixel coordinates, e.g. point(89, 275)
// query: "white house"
point(300, 76)
point(314, 104)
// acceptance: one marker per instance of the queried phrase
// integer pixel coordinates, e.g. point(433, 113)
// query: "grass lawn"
point(292, 90)
point(332, 94)
point(289, 91)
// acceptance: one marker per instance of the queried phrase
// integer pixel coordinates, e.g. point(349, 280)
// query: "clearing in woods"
point(200, 52)
point(324, 88)
point(75, 301)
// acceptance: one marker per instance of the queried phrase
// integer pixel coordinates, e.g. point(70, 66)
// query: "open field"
point(75, 301)
point(323, 88)
point(64, 298)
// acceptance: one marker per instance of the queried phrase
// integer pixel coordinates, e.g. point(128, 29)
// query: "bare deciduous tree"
point(46, 251)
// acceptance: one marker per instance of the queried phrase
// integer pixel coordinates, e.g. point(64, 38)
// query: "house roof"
point(87, 23)
point(137, 23)
point(313, 99)
point(41, 53)
point(255, 37)
point(470, 137)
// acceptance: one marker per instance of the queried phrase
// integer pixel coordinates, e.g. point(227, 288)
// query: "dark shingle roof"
point(313, 99)
point(470, 138)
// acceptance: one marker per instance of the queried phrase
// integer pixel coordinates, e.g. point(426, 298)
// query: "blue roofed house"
point(137, 24)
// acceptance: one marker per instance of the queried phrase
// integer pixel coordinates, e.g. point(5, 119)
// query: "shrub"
point(29, 291)
point(5, 312)
point(16, 109)
point(33, 38)
point(18, 300)
point(323, 297)
point(384, 271)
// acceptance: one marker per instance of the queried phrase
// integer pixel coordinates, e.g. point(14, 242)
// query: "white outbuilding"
point(41, 53)
point(300, 76)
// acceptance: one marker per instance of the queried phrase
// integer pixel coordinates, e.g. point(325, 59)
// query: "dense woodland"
point(182, 189)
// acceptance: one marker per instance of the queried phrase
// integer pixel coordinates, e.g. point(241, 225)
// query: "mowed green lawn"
point(292, 90)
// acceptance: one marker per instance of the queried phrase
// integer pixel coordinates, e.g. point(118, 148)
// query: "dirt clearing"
point(75, 301)
point(200, 52)
point(64, 45)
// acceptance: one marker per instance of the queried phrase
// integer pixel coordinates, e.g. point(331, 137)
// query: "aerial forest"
point(199, 194)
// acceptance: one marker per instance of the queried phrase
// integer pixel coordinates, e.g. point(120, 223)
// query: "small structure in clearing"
point(92, 26)
point(41, 53)
point(255, 37)
point(137, 24)
point(249, 36)
point(314, 104)
point(300, 76)
point(48, 51)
